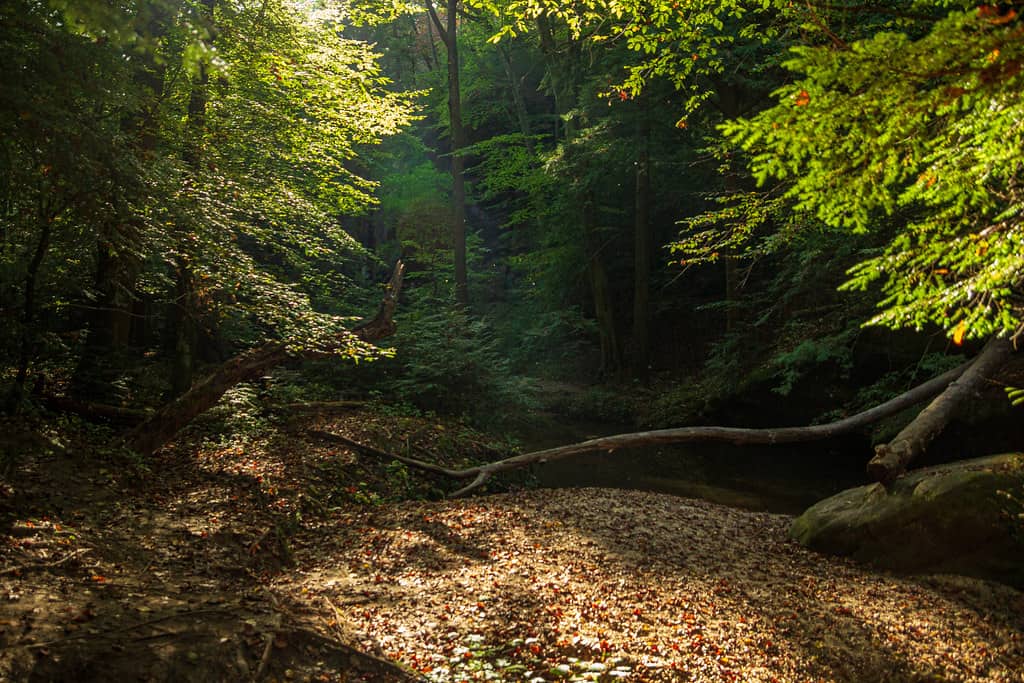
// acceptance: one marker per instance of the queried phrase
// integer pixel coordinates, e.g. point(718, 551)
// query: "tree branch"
point(436, 20)
point(165, 423)
point(891, 459)
point(412, 462)
point(734, 435)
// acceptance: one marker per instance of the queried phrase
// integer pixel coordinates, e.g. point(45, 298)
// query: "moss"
point(951, 518)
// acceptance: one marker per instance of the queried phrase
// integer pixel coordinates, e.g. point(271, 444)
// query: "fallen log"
point(161, 427)
point(891, 459)
point(734, 435)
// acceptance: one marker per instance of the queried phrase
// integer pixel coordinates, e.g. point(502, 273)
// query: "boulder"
point(954, 518)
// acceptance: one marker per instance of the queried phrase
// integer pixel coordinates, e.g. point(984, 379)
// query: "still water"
point(786, 478)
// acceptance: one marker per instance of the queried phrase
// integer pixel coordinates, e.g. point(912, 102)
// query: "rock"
point(944, 519)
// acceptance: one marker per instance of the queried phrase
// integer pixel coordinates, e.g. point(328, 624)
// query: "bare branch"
point(891, 459)
point(734, 435)
point(436, 20)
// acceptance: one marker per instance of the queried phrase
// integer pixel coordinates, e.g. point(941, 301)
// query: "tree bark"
point(642, 246)
point(516, 86)
point(891, 459)
point(28, 313)
point(449, 36)
point(611, 351)
point(185, 309)
point(183, 324)
point(91, 410)
point(734, 435)
point(563, 76)
point(166, 422)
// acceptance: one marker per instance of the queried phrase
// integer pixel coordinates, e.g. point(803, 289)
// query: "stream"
point(785, 479)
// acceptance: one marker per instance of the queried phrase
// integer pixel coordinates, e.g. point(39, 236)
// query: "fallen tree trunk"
point(891, 459)
point(171, 418)
point(735, 435)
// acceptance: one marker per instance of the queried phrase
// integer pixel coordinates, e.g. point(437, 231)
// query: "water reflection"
point(785, 479)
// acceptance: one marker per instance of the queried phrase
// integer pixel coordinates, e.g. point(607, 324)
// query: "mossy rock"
point(951, 518)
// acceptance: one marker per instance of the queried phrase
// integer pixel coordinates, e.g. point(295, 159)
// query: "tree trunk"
point(109, 320)
point(891, 459)
point(28, 312)
point(642, 245)
point(433, 48)
point(117, 261)
point(165, 423)
point(170, 419)
point(183, 314)
point(732, 285)
point(516, 85)
point(611, 352)
point(730, 102)
point(562, 75)
point(185, 308)
point(731, 293)
point(661, 437)
point(449, 36)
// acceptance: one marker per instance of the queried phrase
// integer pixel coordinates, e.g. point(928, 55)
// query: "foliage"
point(281, 131)
point(1015, 395)
point(449, 362)
point(209, 163)
point(151, 147)
point(690, 44)
point(924, 128)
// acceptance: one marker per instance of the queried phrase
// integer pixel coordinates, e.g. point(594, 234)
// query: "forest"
point(512, 340)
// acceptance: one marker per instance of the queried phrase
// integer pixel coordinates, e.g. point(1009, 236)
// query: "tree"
point(231, 160)
point(887, 127)
point(70, 169)
point(920, 126)
point(449, 33)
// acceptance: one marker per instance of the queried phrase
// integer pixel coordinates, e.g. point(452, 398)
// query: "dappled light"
point(511, 340)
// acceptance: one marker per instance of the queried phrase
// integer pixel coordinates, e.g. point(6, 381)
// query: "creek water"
point(785, 479)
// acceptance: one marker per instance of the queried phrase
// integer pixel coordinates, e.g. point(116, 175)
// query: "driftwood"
point(891, 459)
point(734, 435)
point(166, 422)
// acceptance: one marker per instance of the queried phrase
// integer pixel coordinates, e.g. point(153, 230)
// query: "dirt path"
point(237, 565)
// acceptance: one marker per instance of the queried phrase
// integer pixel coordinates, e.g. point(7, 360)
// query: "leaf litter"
point(283, 559)
point(600, 584)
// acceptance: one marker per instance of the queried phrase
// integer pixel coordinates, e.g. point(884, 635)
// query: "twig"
point(337, 617)
point(104, 634)
point(268, 648)
point(45, 565)
point(413, 462)
point(255, 546)
point(316, 406)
